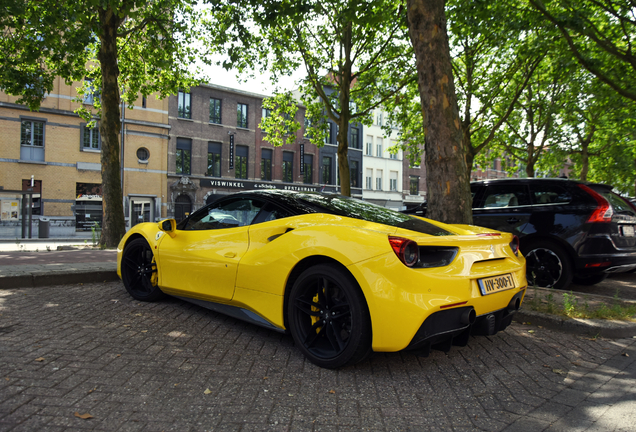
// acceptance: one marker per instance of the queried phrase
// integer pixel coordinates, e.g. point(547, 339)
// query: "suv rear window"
point(618, 204)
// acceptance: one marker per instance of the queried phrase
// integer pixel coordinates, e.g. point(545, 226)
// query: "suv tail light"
point(604, 211)
point(407, 250)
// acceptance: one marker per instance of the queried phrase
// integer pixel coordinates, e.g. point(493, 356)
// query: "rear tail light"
point(514, 245)
point(416, 256)
point(407, 250)
point(604, 211)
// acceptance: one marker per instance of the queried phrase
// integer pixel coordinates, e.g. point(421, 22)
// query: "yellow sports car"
point(343, 276)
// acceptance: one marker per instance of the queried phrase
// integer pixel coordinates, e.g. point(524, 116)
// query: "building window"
point(368, 179)
point(32, 141)
point(215, 111)
point(143, 154)
point(214, 160)
point(393, 181)
point(354, 172)
point(240, 162)
point(393, 156)
point(378, 148)
point(379, 119)
point(355, 138)
point(326, 170)
point(184, 105)
point(369, 146)
point(414, 185)
point(184, 150)
point(306, 133)
point(90, 138)
point(330, 133)
point(288, 167)
point(308, 163)
point(378, 180)
point(266, 112)
point(241, 116)
point(91, 94)
point(143, 101)
point(266, 164)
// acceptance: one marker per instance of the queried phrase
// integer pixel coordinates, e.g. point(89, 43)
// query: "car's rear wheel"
point(547, 265)
point(139, 271)
point(589, 279)
point(329, 318)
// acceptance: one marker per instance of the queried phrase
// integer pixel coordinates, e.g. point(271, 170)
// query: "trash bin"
point(43, 228)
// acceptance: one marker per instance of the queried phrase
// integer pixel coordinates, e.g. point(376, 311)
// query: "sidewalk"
point(77, 262)
point(43, 262)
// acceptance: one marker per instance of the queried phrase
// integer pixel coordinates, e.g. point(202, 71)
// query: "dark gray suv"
point(568, 230)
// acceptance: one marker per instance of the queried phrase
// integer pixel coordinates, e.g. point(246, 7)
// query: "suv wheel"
point(547, 265)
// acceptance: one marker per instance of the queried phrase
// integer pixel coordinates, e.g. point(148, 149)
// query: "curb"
point(48, 279)
point(611, 329)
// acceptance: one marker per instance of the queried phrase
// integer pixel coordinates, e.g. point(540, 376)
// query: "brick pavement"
point(173, 366)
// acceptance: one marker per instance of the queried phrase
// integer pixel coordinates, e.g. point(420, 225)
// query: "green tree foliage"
point(600, 35)
point(534, 126)
point(594, 119)
point(355, 54)
point(495, 50)
point(125, 47)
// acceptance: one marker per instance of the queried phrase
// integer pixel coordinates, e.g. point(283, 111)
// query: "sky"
point(260, 85)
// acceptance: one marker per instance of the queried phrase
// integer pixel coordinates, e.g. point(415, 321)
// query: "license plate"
point(628, 230)
point(495, 284)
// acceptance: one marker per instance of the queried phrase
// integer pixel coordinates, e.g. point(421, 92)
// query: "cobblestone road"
point(91, 350)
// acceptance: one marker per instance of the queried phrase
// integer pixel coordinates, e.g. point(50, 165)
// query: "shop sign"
point(250, 185)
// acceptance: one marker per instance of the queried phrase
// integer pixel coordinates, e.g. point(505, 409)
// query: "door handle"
point(229, 254)
point(512, 220)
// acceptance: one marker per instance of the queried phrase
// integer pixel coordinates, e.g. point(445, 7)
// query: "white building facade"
point(382, 170)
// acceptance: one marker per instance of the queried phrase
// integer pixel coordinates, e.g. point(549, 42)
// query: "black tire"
point(329, 318)
point(547, 265)
point(588, 280)
point(138, 271)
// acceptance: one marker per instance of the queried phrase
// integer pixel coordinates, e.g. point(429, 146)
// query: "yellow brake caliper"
point(315, 319)
point(154, 279)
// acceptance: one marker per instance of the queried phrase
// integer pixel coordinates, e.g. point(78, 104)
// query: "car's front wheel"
point(547, 265)
point(329, 318)
point(139, 271)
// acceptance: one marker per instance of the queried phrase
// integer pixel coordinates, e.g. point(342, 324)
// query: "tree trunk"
point(447, 179)
point(113, 225)
point(585, 163)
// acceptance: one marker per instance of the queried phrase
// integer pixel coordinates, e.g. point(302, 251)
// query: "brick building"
point(56, 149)
point(216, 148)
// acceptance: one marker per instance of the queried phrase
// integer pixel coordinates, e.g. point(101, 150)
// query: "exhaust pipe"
point(514, 306)
point(468, 317)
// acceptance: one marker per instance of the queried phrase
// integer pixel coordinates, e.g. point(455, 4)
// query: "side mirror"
point(169, 226)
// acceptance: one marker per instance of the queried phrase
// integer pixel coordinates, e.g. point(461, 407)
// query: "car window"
point(225, 214)
point(497, 196)
point(549, 194)
point(270, 212)
point(619, 205)
point(474, 194)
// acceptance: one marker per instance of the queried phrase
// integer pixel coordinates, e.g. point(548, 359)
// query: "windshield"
point(357, 209)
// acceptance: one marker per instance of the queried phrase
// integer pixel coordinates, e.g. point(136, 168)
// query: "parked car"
point(343, 276)
point(568, 230)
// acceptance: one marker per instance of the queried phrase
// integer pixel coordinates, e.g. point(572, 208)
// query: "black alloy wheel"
point(138, 269)
point(328, 317)
point(547, 265)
